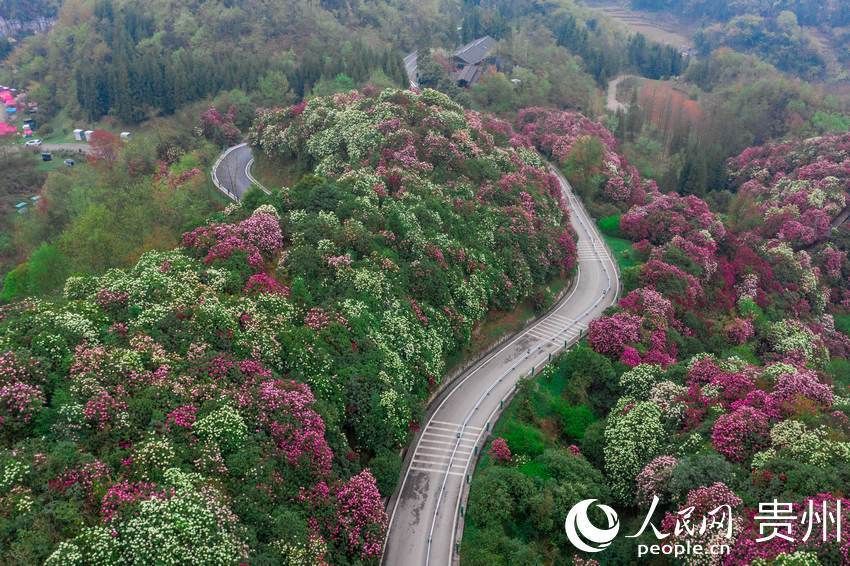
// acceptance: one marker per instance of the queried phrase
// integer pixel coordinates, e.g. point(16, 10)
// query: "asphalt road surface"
point(411, 68)
point(232, 172)
point(611, 102)
point(425, 522)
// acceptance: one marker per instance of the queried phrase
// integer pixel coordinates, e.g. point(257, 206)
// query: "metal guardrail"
point(583, 218)
point(587, 223)
point(543, 353)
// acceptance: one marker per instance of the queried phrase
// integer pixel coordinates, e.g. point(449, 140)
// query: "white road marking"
point(457, 425)
point(432, 471)
point(452, 436)
point(447, 429)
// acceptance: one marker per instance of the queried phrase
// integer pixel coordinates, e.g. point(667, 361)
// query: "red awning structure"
point(7, 129)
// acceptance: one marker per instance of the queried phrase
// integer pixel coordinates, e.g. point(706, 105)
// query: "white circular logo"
point(578, 525)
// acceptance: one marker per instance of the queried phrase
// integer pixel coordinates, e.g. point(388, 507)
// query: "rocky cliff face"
point(18, 28)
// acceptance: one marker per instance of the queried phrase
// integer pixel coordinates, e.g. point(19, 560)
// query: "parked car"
point(47, 156)
point(33, 143)
point(70, 162)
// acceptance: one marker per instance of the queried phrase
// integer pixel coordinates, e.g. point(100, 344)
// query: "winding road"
point(231, 172)
point(611, 102)
point(425, 515)
point(426, 522)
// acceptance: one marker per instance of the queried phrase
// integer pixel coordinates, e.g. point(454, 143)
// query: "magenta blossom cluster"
point(257, 236)
point(298, 431)
point(739, 330)
point(263, 283)
point(123, 494)
point(19, 402)
point(610, 335)
point(182, 417)
point(556, 133)
point(740, 434)
point(220, 128)
point(499, 450)
point(103, 407)
point(360, 516)
point(87, 476)
point(652, 480)
point(802, 384)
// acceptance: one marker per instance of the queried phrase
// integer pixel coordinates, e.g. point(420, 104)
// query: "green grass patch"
point(610, 226)
point(745, 351)
point(622, 251)
point(839, 369)
point(524, 439)
point(575, 420)
point(620, 246)
point(842, 323)
point(273, 174)
point(535, 469)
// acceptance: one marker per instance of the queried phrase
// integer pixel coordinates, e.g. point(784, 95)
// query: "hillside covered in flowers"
point(242, 399)
point(720, 378)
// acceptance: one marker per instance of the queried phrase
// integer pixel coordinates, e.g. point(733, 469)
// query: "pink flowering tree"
point(611, 335)
point(740, 434)
point(653, 479)
point(499, 450)
point(220, 128)
point(360, 517)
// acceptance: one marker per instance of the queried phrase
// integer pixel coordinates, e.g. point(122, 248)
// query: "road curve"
point(611, 102)
point(231, 172)
point(425, 523)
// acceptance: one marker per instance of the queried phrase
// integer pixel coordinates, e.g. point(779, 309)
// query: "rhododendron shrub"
point(653, 478)
point(220, 128)
point(499, 450)
point(611, 335)
point(633, 437)
point(799, 190)
point(741, 433)
point(799, 187)
point(667, 216)
point(190, 524)
point(558, 133)
point(739, 330)
point(721, 509)
point(258, 237)
point(360, 516)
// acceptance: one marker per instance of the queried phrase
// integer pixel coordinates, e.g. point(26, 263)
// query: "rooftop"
point(476, 50)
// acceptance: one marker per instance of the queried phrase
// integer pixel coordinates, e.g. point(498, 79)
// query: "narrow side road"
point(611, 102)
point(425, 523)
point(78, 148)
